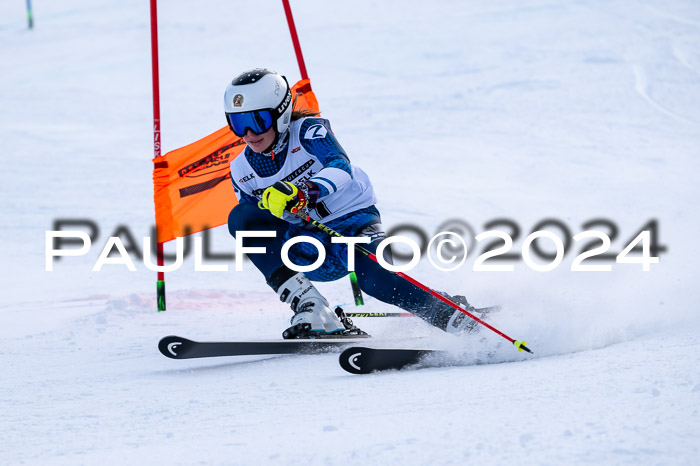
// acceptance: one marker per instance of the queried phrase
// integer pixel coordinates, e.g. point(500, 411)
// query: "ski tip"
point(170, 346)
point(521, 345)
point(361, 360)
point(353, 360)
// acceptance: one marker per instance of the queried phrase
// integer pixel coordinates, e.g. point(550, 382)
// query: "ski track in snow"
point(512, 110)
point(641, 85)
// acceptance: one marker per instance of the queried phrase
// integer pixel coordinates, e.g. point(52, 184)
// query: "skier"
point(299, 149)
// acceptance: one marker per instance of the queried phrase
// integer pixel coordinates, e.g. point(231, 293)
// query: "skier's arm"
point(318, 139)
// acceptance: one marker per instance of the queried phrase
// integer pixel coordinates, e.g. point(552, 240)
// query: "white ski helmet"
point(258, 100)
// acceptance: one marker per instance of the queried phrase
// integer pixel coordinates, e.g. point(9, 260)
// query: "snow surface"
point(520, 110)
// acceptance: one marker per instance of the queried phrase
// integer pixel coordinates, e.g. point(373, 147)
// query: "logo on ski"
point(353, 359)
point(173, 346)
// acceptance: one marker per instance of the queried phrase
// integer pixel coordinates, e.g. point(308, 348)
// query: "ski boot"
point(303, 327)
point(451, 320)
point(312, 316)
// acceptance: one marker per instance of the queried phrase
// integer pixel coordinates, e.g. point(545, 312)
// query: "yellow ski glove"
point(283, 196)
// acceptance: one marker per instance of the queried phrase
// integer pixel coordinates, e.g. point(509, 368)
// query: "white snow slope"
point(523, 110)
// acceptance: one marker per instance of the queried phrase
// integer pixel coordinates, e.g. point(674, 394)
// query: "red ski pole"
point(521, 345)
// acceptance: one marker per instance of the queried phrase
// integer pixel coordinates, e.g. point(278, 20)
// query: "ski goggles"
point(258, 121)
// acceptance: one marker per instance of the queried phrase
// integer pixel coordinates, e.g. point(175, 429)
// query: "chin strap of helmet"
point(278, 144)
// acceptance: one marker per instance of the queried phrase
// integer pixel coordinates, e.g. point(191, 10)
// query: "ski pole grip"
point(283, 187)
point(286, 189)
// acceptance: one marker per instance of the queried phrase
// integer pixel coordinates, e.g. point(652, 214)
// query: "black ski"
point(361, 360)
point(181, 348)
